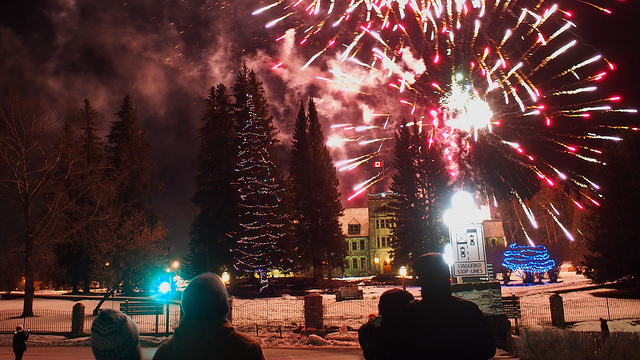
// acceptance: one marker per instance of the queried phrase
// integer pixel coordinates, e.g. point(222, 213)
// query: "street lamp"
point(225, 278)
point(165, 288)
point(403, 273)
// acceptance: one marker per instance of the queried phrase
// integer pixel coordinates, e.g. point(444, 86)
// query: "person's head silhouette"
point(433, 275)
point(205, 298)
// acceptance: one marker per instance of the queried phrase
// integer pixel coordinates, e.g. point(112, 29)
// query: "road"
point(84, 353)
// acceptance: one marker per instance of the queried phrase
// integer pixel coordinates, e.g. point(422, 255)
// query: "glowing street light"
point(462, 211)
point(403, 273)
point(225, 277)
point(165, 287)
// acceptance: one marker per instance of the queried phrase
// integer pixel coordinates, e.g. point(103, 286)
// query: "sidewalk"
point(324, 353)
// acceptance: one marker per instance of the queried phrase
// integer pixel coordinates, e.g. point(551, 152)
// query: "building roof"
point(492, 228)
point(355, 216)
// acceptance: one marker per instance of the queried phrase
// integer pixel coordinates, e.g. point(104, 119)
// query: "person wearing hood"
point(445, 326)
point(204, 331)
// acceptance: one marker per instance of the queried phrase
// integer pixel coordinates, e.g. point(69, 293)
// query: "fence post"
point(313, 311)
point(557, 310)
point(77, 320)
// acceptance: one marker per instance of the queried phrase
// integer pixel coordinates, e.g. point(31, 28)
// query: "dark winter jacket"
point(450, 328)
point(212, 339)
point(20, 341)
point(381, 341)
point(385, 337)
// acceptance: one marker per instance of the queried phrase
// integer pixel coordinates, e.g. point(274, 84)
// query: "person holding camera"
point(20, 338)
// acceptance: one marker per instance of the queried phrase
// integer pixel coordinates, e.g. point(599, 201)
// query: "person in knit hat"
point(114, 336)
point(20, 338)
point(204, 331)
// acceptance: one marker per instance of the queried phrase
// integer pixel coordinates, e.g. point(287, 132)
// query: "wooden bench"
point(511, 306)
point(141, 308)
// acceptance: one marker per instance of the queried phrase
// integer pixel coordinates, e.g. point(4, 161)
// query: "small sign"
point(377, 164)
point(470, 268)
point(467, 243)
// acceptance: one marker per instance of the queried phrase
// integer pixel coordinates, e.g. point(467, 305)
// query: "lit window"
point(363, 262)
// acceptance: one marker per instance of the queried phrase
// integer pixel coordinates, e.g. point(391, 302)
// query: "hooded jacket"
point(204, 332)
point(215, 339)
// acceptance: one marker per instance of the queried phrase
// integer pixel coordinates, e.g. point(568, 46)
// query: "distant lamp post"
point(165, 289)
point(403, 273)
point(225, 278)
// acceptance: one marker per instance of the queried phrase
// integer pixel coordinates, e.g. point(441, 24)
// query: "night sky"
point(167, 54)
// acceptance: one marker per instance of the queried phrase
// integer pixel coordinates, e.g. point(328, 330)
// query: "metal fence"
point(266, 312)
point(591, 309)
point(44, 321)
point(351, 312)
point(59, 322)
point(290, 313)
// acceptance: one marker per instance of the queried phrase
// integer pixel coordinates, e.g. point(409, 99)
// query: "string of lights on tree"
point(525, 259)
point(260, 197)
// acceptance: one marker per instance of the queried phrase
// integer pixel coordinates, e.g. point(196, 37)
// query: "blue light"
point(165, 287)
point(529, 259)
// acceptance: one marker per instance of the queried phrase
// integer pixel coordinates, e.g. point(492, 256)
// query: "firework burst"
point(496, 81)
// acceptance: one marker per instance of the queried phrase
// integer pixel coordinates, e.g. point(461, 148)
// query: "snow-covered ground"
point(571, 286)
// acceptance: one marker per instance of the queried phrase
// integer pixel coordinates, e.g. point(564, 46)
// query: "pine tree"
point(419, 184)
point(247, 85)
point(611, 234)
point(214, 229)
point(260, 199)
point(297, 192)
point(127, 153)
point(315, 195)
point(83, 181)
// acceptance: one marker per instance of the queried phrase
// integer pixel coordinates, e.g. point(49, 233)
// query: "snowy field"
point(572, 288)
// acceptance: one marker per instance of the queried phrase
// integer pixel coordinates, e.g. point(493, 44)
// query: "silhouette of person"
point(383, 336)
point(604, 328)
point(20, 338)
point(114, 336)
point(445, 326)
point(204, 331)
